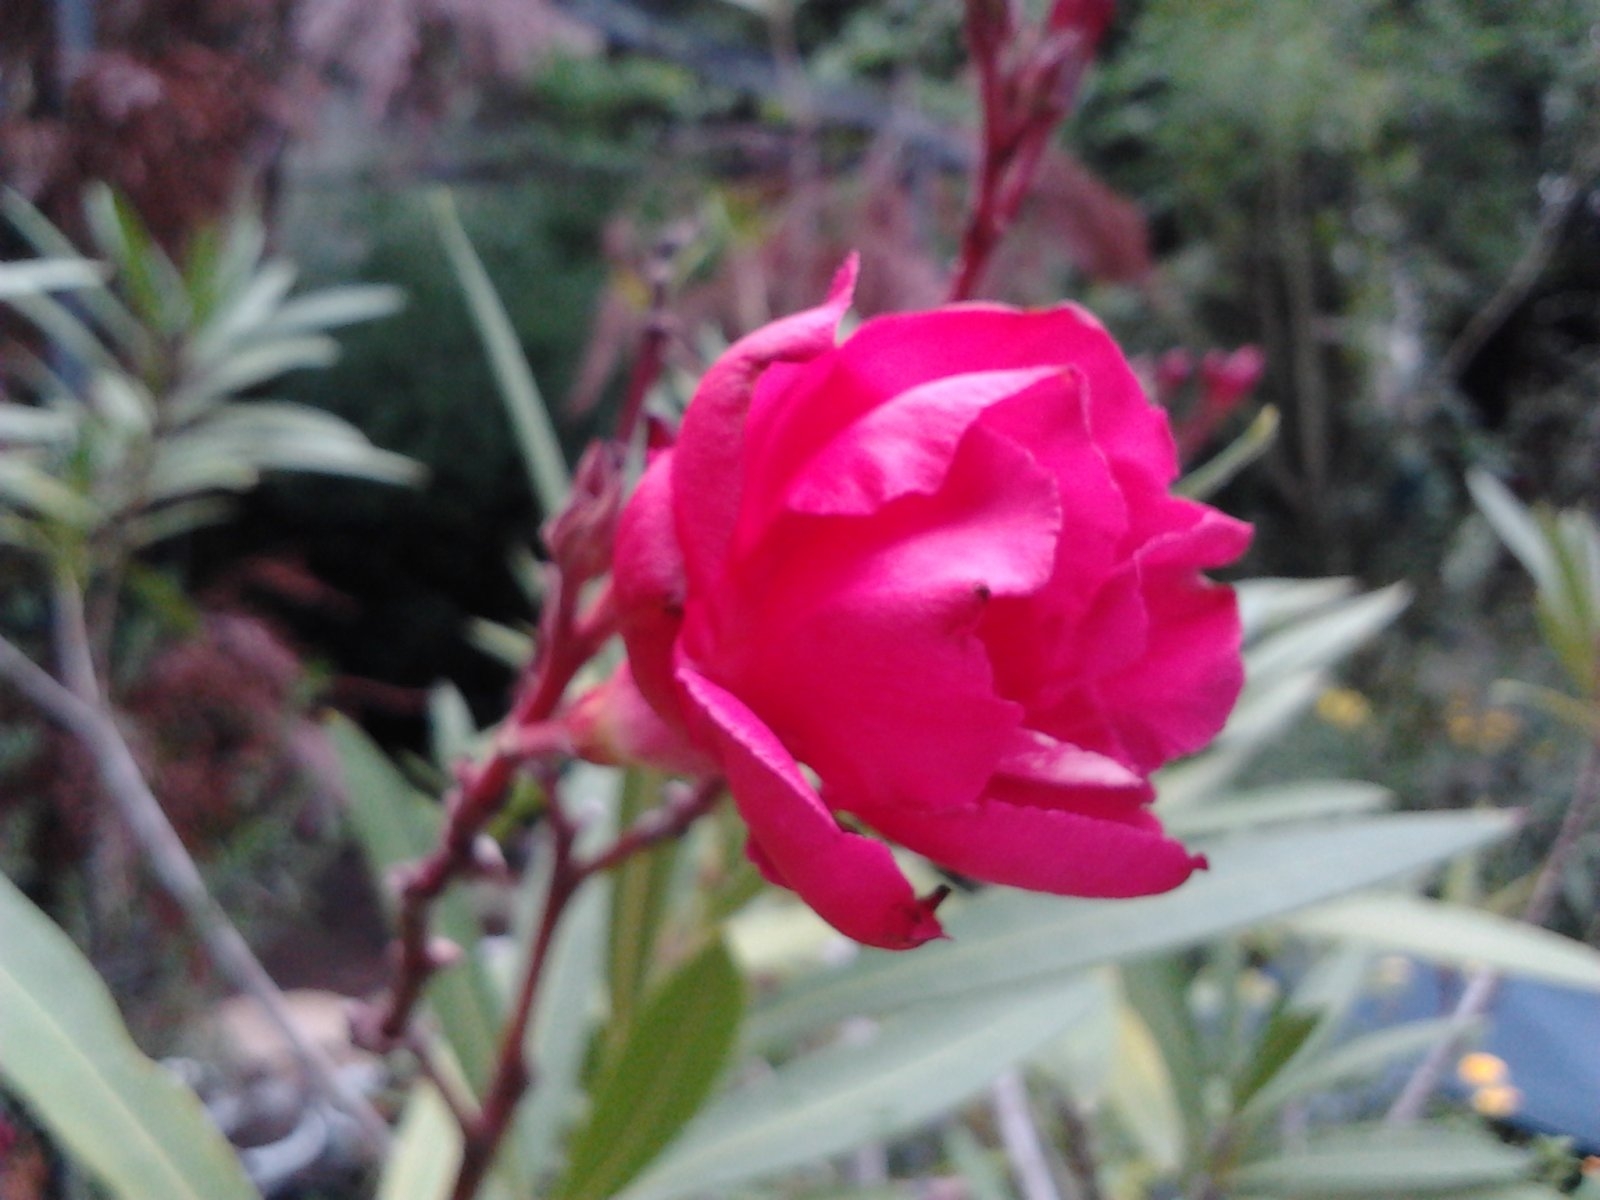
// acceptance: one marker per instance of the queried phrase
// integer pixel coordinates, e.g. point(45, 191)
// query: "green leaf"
point(1455, 934)
point(1348, 1063)
point(332, 308)
point(66, 1053)
point(25, 486)
point(242, 315)
point(251, 366)
point(1007, 938)
point(1325, 636)
point(25, 424)
point(530, 418)
point(639, 889)
point(1381, 1161)
point(917, 1066)
point(660, 1075)
point(1286, 1032)
point(47, 240)
point(426, 1151)
point(1157, 990)
point(244, 438)
point(1266, 604)
point(1306, 800)
point(1516, 527)
point(155, 287)
point(1256, 440)
point(572, 993)
point(33, 276)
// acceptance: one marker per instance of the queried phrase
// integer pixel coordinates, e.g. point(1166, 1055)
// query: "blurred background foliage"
point(1397, 200)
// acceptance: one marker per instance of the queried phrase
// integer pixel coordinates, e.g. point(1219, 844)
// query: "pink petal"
point(850, 880)
point(1178, 698)
point(1043, 849)
point(798, 411)
point(612, 723)
point(650, 587)
point(856, 638)
point(906, 446)
point(709, 459)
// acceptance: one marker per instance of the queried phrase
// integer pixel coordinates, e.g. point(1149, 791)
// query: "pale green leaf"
point(30, 488)
point(1516, 526)
point(332, 308)
point(65, 1052)
point(252, 366)
point(1381, 1160)
point(1299, 801)
point(916, 1067)
point(1325, 636)
point(101, 302)
point(1006, 938)
point(33, 276)
point(530, 418)
point(1454, 934)
point(1213, 475)
point(426, 1151)
point(27, 425)
point(242, 314)
point(1352, 1062)
point(659, 1075)
point(1266, 604)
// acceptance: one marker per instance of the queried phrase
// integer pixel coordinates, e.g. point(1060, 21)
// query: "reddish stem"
point(513, 1076)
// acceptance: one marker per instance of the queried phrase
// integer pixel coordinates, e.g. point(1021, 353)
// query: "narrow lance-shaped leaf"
point(66, 1053)
point(1006, 938)
point(1385, 1161)
point(916, 1067)
point(536, 436)
point(1453, 933)
point(659, 1075)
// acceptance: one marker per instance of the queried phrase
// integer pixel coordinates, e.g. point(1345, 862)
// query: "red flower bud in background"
point(939, 568)
point(581, 534)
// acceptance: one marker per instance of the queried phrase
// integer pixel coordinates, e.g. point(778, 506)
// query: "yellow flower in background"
point(1490, 1080)
point(1344, 708)
point(1485, 730)
point(1480, 1069)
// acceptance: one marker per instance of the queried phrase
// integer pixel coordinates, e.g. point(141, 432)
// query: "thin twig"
point(526, 736)
point(1020, 1137)
point(1479, 993)
point(170, 863)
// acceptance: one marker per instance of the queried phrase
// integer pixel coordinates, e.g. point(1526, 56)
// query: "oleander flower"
point(931, 583)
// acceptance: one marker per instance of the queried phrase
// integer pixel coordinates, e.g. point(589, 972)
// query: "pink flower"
point(937, 568)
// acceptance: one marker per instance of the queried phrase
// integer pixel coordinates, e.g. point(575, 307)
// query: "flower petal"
point(857, 638)
point(797, 412)
point(1178, 698)
point(1044, 849)
point(650, 587)
point(708, 465)
point(612, 723)
point(850, 880)
point(904, 447)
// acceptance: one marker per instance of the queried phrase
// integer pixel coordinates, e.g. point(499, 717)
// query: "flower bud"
point(580, 536)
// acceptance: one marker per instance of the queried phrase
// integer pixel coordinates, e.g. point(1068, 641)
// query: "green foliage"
point(658, 1076)
point(65, 1052)
point(158, 427)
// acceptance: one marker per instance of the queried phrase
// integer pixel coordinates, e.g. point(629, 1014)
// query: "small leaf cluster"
point(131, 418)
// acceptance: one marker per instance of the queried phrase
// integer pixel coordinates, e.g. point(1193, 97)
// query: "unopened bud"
point(488, 859)
point(580, 536)
point(442, 953)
